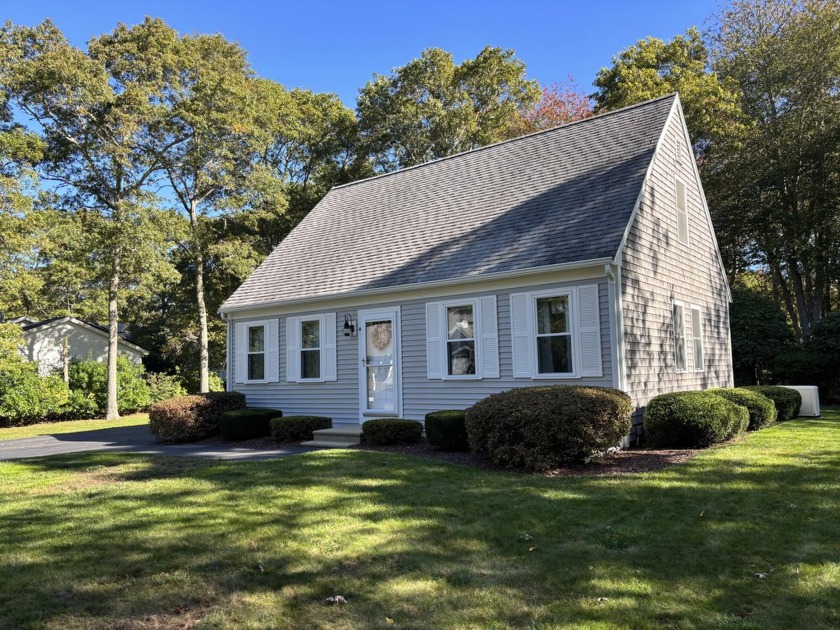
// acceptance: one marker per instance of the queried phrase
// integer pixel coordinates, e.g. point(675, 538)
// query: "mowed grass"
point(742, 536)
point(73, 426)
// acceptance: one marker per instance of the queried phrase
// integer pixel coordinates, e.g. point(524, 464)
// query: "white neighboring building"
point(44, 342)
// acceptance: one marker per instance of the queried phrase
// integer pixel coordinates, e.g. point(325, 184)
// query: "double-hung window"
point(697, 338)
point(554, 335)
point(679, 337)
point(256, 352)
point(310, 349)
point(460, 340)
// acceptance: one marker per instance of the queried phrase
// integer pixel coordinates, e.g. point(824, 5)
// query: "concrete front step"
point(337, 437)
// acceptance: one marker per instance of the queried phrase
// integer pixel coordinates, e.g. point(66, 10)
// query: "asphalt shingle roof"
point(559, 196)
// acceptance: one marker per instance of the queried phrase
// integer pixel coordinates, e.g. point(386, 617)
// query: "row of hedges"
point(697, 419)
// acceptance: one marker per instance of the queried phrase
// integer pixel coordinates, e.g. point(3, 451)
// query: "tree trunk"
point(112, 411)
point(198, 261)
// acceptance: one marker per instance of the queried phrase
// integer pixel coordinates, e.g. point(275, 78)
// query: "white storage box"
point(810, 399)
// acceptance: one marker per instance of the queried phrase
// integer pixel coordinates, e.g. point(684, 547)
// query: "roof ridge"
point(508, 141)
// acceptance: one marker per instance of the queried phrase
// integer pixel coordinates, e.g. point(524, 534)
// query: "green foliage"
point(447, 430)
point(760, 334)
point(26, 398)
point(298, 428)
point(248, 423)
point(542, 427)
point(431, 108)
point(164, 386)
point(91, 377)
point(692, 420)
point(191, 418)
point(762, 410)
point(389, 431)
point(787, 401)
point(653, 68)
point(11, 342)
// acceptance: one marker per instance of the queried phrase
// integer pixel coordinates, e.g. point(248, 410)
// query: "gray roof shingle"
point(559, 196)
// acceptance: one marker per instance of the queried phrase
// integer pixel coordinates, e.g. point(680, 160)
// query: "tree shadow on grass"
point(426, 543)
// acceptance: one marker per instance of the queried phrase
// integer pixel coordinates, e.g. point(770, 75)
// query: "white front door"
point(380, 388)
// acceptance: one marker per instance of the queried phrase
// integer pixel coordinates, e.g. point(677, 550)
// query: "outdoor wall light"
point(349, 326)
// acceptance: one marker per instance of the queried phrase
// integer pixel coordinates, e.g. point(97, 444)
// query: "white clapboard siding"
point(589, 331)
point(520, 315)
point(489, 340)
point(434, 341)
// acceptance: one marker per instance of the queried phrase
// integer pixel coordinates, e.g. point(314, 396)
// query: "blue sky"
point(337, 46)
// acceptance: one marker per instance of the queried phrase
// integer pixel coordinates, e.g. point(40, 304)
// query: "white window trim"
point(681, 304)
point(571, 293)
point(299, 320)
point(472, 303)
point(702, 367)
point(687, 241)
point(248, 326)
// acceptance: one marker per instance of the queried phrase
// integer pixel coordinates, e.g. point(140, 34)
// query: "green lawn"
point(109, 540)
point(74, 426)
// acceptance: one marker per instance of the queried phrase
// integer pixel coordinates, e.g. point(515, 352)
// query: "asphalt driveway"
point(136, 439)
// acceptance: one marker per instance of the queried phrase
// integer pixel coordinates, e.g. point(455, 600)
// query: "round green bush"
point(542, 427)
point(692, 420)
point(787, 401)
point(761, 409)
point(248, 423)
point(190, 418)
point(447, 430)
point(388, 431)
point(298, 428)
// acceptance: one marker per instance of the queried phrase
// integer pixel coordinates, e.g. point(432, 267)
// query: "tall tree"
point(100, 113)
point(784, 55)
point(431, 107)
point(560, 104)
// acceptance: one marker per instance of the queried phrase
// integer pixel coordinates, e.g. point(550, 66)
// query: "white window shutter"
point(292, 350)
point(272, 351)
point(520, 321)
point(489, 330)
point(329, 366)
point(589, 329)
point(434, 340)
point(240, 340)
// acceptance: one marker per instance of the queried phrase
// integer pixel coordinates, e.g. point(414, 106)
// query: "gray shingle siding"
point(340, 399)
point(657, 269)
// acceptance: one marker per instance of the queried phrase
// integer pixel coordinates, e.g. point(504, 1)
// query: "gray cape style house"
point(579, 255)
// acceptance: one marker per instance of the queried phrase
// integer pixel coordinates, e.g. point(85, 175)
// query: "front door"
point(380, 389)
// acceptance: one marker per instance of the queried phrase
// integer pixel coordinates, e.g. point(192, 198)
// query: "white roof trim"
point(86, 326)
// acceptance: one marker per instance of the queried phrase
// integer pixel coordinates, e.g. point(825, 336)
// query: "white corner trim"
point(614, 288)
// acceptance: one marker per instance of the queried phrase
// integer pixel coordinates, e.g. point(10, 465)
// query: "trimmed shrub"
point(26, 398)
point(692, 420)
point(244, 424)
point(191, 418)
point(542, 427)
point(387, 431)
point(298, 428)
point(787, 401)
point(761, 409)
point(164, 386)
point(447, 430)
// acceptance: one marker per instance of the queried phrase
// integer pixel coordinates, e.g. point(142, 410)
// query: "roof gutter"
point(418, 286)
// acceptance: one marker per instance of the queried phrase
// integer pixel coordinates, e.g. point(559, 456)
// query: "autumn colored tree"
point(560, 104)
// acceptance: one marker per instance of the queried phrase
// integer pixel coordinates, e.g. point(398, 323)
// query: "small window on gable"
point(682, 213)
point(679, 337)
point(697, 337)
point(256, 353)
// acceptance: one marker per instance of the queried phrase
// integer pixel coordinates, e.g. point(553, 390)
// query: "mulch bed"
point(624, 462)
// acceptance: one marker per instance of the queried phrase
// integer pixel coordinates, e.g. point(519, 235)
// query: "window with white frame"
point(697, 337)
point(554, 334)
point(256, 352)
point(310, 349)
point(460, 340)
point(682, 212)
point(679, 337)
